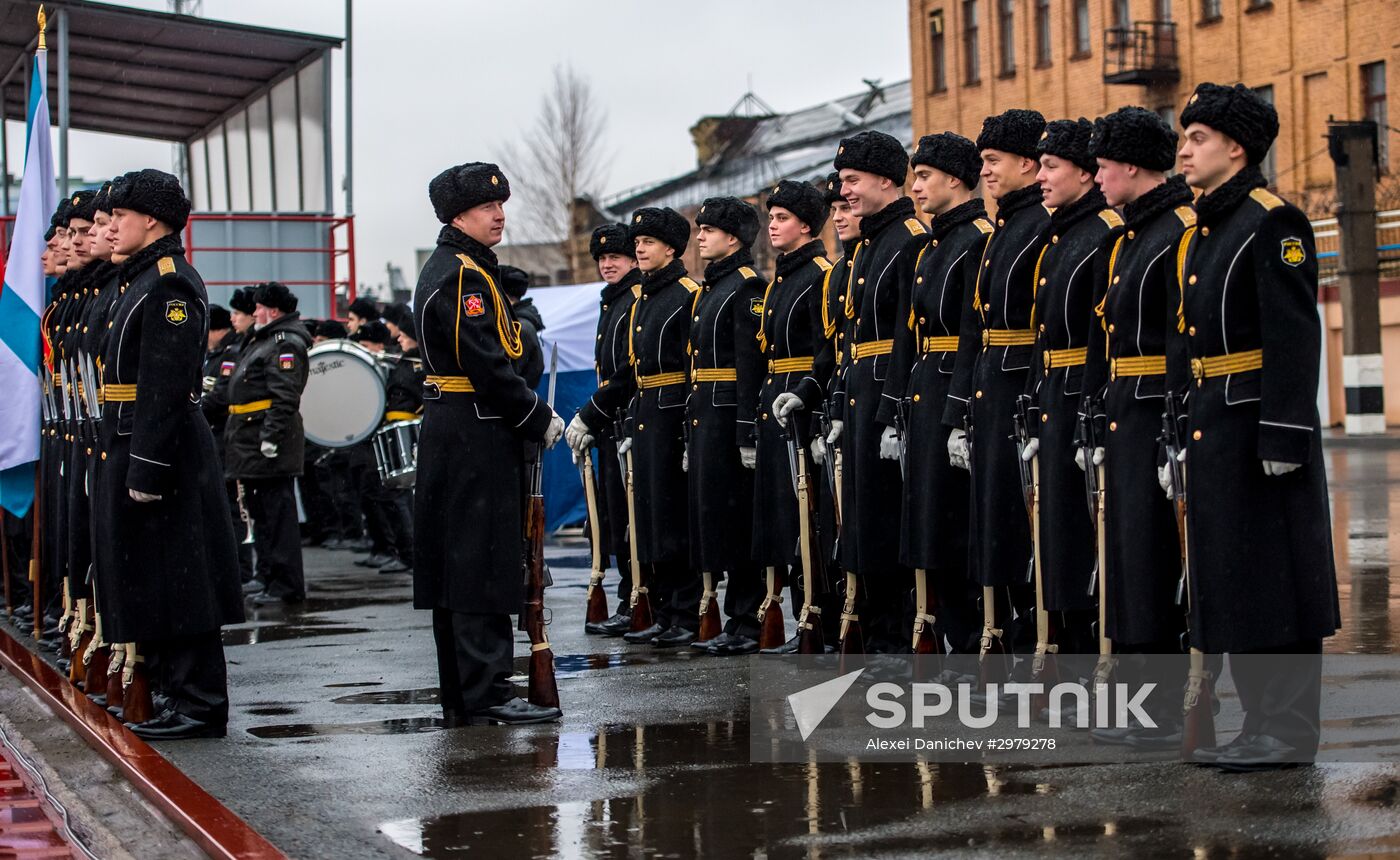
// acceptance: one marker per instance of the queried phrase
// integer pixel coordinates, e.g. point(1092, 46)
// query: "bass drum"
point(344, 398)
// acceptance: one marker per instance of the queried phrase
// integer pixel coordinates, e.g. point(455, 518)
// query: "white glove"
point(784, 405)
point(624, 446)
point(889, 444)
point(819, 451)
point(748, 457)
point(578, 436)
point(836, 428)
point(1164, 480)
point(138, 496)
point(1031, 449)
point(685, 461)
point(957, 449)
point(268, 449)
point(554, 431)
point(1274, 468)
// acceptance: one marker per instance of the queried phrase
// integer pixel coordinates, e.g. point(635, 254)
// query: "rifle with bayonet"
point(1043, 668)
point(640, 604)
point(1198, 704)
point(597, 600)
point(809, 544)
point(993, 660)
point(543, 690)
point(1091, 438)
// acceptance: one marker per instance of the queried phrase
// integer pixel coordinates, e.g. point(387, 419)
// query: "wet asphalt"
point(336, 749)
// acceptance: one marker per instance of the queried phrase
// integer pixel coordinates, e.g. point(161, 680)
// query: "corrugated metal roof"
point(798, 145)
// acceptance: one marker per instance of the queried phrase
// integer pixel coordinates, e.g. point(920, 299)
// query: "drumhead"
point(344, 398)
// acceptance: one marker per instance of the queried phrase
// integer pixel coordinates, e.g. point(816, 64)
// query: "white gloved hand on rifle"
point(889, 444)
point(784, 405)
point(957, 449)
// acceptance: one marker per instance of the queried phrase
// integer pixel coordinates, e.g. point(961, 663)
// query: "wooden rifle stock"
point(136, 688)
point(925, 640)
point(1043, 667)
point(710, 624)
point(597, 600)
point(79, 639)
point(810, 639)
point(992, 659)
point(770, 612)
point(543, 691)
point(642, 617)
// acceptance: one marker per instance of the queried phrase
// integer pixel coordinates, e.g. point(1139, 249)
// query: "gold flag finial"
point(43, 24)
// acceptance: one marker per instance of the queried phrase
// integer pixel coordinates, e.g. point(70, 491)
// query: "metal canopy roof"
point(148, 74)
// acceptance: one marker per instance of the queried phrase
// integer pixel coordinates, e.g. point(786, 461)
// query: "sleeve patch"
point(914, 226)
point(473, 305)
point(287, 361)
point(1292, 251)
point(176, 313)
point(166, 265)
point(1111, 218)
point(226, 369)
point(756, 307)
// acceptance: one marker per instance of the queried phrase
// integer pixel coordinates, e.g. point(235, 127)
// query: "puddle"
point(356, 684)
point(425, 696)
point(283, 633)
point(272, 711)
point(412, 725)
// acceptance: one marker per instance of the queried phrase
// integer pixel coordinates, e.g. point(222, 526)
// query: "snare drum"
point(344, 398)
point(396, 453)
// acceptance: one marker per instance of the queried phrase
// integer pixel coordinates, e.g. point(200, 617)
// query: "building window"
point(937, 55)
point(1210, 10)
point(972, 72)
point(1373, 107)
point(1006, 21)
point(1122, 14)
point(1270, 164)
point(1042, 32)
point(1081, 28)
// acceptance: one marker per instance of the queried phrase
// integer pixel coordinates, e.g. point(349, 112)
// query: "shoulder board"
point(1187, 216)
point(822, 263)
point(279, 336)
point(915, 226)
point(984, 225)
point(166, 265)
point(747, 272)
point(1111, 218)
point(636, 291)
point(1266, 198)
point(690, 285)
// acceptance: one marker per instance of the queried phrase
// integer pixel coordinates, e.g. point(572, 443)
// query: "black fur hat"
point(873, 152)
point(84, 205)
point(219, 318)
point(1069, 139)
point(731, 215)
point(457, 189)
point(1134, 135)
point(60, 215)
point(332, 329)
point(103, 201)
point(154, 193)
point(396, 313)
point(1237, 111)
point(668, 225)
point(514, 281)
point(409, 327)
point(374, 332)
point(364, 309)
point(242, 300)
point(951, 153)
point(275, 295)
point(831, 193)
point(1016, 131)
point(803, 200)
point(611, 239)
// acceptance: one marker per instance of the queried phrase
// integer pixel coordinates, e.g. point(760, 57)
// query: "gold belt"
point(1065, 357)
point(871, 347)
point(1137, 365)
point(1008, 337)
point(451, 384)
point(115, 392)
point(1224, 365)
point(796, 364)
point(401, 416)
point(712, 374)
point(941, 343)
point(658, 380)
point(245, 408)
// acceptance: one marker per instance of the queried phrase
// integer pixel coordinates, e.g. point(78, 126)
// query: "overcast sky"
point(439, 82)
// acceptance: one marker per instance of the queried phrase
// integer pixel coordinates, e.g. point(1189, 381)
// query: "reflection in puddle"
point(283, 633)
point(425, 696)
point(356, 684)
point(272, 711)
point(412, 725)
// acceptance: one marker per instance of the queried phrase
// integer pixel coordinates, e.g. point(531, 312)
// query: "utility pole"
point(1353, 148)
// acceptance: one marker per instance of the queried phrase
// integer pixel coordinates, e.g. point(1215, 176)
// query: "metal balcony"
point(1144, 54)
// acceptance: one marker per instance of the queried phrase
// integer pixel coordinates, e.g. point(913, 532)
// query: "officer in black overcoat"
point(799, 358)
point(163, 523)
point(933, 535)
point(660, 334)
point(873, 166)
point(994, 356)
point(479, 416)
point(1124, 383)
point(264, 442)
point(1262, 576)
point(595, 424)
point(726, 371)
point(1071, 261)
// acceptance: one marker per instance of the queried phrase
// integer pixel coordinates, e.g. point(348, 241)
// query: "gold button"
point(1054, 240)
point(600, 337)
point(1115, 279)
point(1042, 326)
point(1196, 435)
point(697, 319)
point(1113, 425)
point(694, 388)
point(1001, 222)
point(765, 416)
point(860, 280)
point(695, 422)
point(916, 398)
point(979, 395)
point(1044, 417)
point(639, 328)
point(922, 321)
point(1191, 280)
point(1131, 234)
point(104, 455)
point(867, 241)
point(605, 307)
point(770, 313)
point(987, 264)
point(1042, 282)
point(641, 426)
point(770, 380)
point(780, 279)
point(987, 306)
point(1191, 331)
point(935, 243)
point(1205, 231)
point(1110, 328)
point(853, 401)
point(919, 279)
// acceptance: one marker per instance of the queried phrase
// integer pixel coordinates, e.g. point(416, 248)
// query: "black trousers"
point(276, 536)
point(883, 603)
point(1282, 696)
point(957, 613)
point(474, 660)
point(240, 530)
point(675, 595)
point(388, 511)
point(17, 539)
point(744, 590)
point(333, 474)
point(190, 672)
point(1159, 662)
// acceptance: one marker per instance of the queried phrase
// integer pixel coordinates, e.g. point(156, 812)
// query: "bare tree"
point(558, 160)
